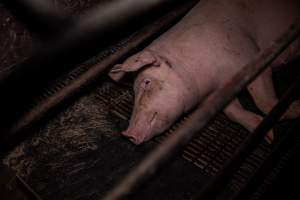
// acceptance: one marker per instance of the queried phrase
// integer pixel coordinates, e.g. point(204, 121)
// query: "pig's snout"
point(141, 128)
point(161, 95)
point(157, 105)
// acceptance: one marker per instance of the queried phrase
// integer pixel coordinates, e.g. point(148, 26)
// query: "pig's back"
point(211, 41)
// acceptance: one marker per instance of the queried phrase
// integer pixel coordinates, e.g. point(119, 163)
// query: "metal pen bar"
point(144, 36)
point(13, 186)
point(40, 16)
point(31, 193)
point(268, 164)
point(201, 116)
point(218, 182)
point(109, 22)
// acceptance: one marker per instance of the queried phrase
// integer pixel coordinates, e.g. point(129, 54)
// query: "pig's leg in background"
point(248, 119)
point(264, 96)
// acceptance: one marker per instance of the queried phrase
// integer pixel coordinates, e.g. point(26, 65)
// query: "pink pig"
point(200, 54)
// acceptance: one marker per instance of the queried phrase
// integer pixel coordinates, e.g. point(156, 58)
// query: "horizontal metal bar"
point(13, 186)
point(252, 141)
point(108, 23)
point(283, 145)
point(40, 16)
point(18, 132)
point(201, 116)
point(29, 191)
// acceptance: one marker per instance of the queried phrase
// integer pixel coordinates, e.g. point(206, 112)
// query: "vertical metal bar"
point(143, 37)
point(218, 182)
point(199, 118)
point(90, 34)
point(41, 16)
point(14, 187)
point(268, 164)
point(31, 193)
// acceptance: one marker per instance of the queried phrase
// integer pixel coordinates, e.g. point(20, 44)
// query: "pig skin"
point(201, 53)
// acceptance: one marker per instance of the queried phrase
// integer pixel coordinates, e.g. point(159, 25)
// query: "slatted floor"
point(209, 150)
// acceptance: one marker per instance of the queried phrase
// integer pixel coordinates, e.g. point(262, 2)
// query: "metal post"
point(40, 16)
point(20, 128)
point(252, 141)
point(269, 163)
point(104, 25)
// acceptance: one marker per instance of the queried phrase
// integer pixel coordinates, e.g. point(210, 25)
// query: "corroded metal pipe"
point(286, 147)
point(100, 28)
point(40, 16)
point(141, 38)
point(246, 148)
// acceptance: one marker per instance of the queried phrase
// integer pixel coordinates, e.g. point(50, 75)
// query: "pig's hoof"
point(293, 111)
point(270, 137)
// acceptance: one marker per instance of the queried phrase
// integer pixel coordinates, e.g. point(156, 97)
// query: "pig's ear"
point(132, 65)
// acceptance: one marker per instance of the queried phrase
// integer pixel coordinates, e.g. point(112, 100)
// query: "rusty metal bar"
point(201, 116)
point(140, 39)
point(13, 186)
point(268, 164)
point(283, 146)
point(40, 16)
point(99, 29)
point(252, 141)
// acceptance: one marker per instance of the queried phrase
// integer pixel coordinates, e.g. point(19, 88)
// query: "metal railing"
point(205, 112)
point(78, 42)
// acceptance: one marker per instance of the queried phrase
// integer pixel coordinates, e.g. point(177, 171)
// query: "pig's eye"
point(146, 83)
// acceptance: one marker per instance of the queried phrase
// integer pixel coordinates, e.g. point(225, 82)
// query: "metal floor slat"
point(207, 152)
point(210, 149)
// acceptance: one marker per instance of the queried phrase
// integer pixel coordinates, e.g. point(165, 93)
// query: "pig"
point(201, 53)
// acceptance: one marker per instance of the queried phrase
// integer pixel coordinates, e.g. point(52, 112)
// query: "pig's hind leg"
point(264, 96)
point(248, 119)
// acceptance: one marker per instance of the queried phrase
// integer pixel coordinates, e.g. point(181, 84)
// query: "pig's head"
point(161, 95)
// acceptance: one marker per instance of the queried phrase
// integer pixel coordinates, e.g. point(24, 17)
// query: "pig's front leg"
point(263, 93)
point(248, 119)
